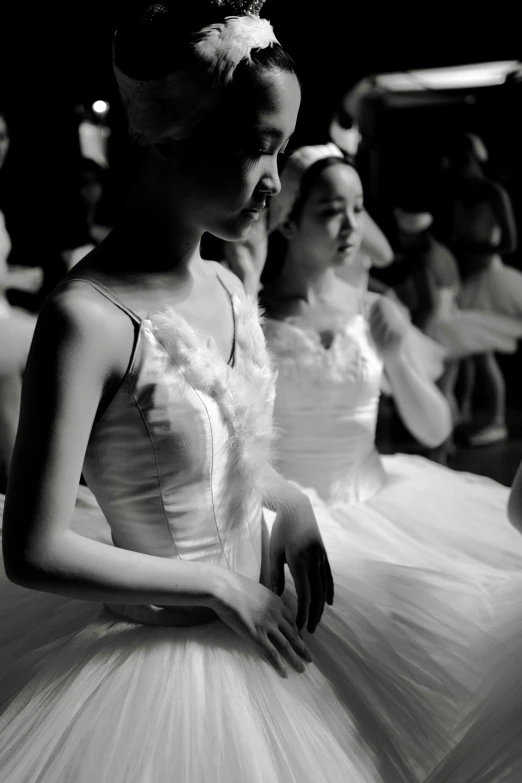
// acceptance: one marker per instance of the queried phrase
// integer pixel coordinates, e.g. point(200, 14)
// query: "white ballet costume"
point(448, 530)
point(121, 694)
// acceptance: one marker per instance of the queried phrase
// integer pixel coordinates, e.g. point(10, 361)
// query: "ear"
point(288, 229)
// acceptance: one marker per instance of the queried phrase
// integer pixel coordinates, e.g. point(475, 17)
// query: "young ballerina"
point(16, 332)
point(331, 349)
point(169, 416)
point(431, 290)
point(476, 221)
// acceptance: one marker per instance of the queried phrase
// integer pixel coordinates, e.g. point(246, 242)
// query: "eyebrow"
point(337, 198)
point(274, 132)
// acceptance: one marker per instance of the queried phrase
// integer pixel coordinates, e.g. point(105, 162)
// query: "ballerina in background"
point(476, 222)
point(16, 332)
point(431, 289)
point(447, 529)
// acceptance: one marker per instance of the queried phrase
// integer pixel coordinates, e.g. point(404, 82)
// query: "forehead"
point(337, 181)
point(271, 104)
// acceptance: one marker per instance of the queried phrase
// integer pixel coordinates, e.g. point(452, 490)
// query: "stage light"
point(100, 107)
point(461, 77)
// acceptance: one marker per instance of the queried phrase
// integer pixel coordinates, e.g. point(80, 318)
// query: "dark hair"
point(310, 179)
point(155, 39)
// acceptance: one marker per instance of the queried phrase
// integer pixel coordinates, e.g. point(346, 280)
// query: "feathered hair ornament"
point(172, 107)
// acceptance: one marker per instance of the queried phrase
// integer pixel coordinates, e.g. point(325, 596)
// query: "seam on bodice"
point(160, 488)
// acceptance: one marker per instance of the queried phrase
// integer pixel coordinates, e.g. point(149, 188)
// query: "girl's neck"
point(299, 280)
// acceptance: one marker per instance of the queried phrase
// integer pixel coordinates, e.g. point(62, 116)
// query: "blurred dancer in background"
point(475, 219)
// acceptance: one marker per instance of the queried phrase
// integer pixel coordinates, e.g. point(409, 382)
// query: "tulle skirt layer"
point(498, 289)
point(86, 697)
point(437, 523)
point(471, 332)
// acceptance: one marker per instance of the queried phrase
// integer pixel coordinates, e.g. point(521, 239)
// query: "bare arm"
point(374, 243)
point(515, 501)
point(500, 204)
point(420, 404)
point(75, 357)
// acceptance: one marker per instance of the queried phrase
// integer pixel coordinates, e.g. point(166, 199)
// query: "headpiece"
point(291, 179)
point(172, 107)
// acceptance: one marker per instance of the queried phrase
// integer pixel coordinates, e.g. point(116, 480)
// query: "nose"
point(270, 182)
point(350, 222)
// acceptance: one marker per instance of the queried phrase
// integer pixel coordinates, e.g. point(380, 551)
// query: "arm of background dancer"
point(503, 210)
point(421, 406)
point(515, 501)
point(426, 295)
point(76, 356)
point(374, 243)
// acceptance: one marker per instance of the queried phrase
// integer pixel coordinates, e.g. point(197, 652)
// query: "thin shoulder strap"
point(104, 291)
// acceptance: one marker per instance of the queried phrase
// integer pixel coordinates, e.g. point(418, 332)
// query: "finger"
point(303, 597)
point(286, 649)
point(324, 587)
point(317, 596)
point(290, 619)
point(296, 641)
point(330, 584)
point(277, 572)
point(272, 656)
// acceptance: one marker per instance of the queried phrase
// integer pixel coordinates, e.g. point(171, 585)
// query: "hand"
point(389, 327)
point(296, 540)
point(256, 613)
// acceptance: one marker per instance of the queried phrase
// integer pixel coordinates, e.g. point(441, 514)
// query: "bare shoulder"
point(76, 318)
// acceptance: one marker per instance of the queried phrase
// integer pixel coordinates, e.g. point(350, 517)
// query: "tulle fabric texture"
point(86, 696)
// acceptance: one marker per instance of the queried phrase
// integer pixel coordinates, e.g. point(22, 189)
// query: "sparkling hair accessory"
point(172, 107)
point(281, 205)
point(241, 7)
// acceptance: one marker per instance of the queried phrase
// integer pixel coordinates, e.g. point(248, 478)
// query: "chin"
point(233, 231)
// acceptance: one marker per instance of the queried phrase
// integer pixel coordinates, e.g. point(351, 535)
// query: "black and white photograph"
point(260, 392)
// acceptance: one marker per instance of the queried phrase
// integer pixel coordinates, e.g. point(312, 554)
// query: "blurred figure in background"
point(16, 331)
point(430, 288)
point(476, 221)
point(90, 232)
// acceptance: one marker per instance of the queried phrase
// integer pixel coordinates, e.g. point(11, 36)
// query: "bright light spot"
point(100, 107)
point(457, 78)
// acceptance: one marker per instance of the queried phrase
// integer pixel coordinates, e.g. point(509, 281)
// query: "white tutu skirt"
point(443, 525)
point(490, 750)
point(498, 289)
point(87, 697)
point(472, 332)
